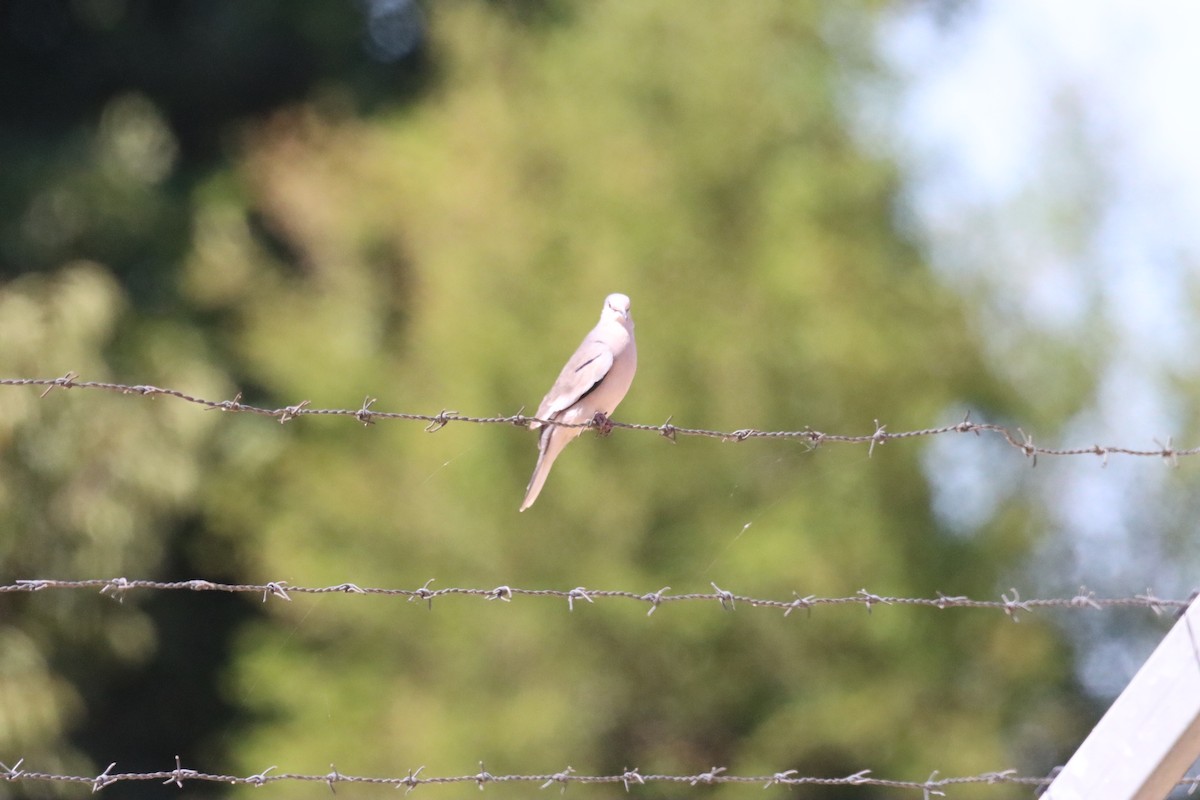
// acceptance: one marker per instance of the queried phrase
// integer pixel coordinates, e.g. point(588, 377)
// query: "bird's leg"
point(602, 424)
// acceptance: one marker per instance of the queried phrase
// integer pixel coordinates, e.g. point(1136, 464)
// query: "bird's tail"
point(550, 444)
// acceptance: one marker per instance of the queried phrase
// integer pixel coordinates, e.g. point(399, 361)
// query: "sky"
point(1050, 159)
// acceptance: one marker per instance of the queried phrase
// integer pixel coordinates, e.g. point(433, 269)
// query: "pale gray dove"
point(593, 382)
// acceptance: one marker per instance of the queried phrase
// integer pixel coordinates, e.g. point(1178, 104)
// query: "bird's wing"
point(582, 374)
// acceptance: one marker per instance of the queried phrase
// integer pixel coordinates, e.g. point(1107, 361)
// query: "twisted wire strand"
point(433, 422)
point(629, 777)
point(1010, 602)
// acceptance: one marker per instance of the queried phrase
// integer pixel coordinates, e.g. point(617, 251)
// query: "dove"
point(590, 386)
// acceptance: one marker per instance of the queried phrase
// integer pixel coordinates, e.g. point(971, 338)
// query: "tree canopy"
point(260, 198)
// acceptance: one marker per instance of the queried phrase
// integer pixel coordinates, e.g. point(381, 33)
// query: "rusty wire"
point(433, 422)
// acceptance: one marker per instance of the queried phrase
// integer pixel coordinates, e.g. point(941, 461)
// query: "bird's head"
point(616, 306)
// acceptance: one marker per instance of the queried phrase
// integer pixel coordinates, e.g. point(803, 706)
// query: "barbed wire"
point(933, 786)
point(930, 787)
point(434, 422)
point(1010, 602)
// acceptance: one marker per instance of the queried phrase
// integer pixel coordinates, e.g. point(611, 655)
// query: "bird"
point(591, 385)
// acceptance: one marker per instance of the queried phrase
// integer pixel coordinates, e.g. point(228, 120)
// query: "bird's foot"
point(602, 424)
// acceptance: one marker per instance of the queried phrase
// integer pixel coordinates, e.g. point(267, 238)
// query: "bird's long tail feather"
point(551, 443)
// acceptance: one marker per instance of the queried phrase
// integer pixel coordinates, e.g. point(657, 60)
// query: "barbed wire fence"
point(366, 415)
point(932, 786)
point(1010, 603)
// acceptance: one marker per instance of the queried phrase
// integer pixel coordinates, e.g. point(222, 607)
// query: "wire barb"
point(441, 420)
point(1031, 452)
point(483, 776)
point(260, 778)
point(364, 414)
point(930, 784)
point(1152, 602)
point(412, 781)
point(725, 597)
point(291, 412)
point(561, 778)
point(654, 599)
point(424, 593)
point(632, 776)
point(103, 779)
point(1011, 607)
point(578, 593)
point(949, 601)
point(780, 777)
point(333, 777)
point(708, 777)
point(800, 602)
point(1085, 599)
point(66, 382)
point(233, 405)
point(999, 777)
point(179, 775)
point(869, 599)
point(879, 437)
point(1168, 453)
point(116, 589)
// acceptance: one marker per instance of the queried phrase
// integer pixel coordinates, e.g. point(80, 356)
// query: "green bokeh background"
point(235, 197)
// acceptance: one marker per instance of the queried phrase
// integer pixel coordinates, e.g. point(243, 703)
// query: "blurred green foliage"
point(438, 231)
